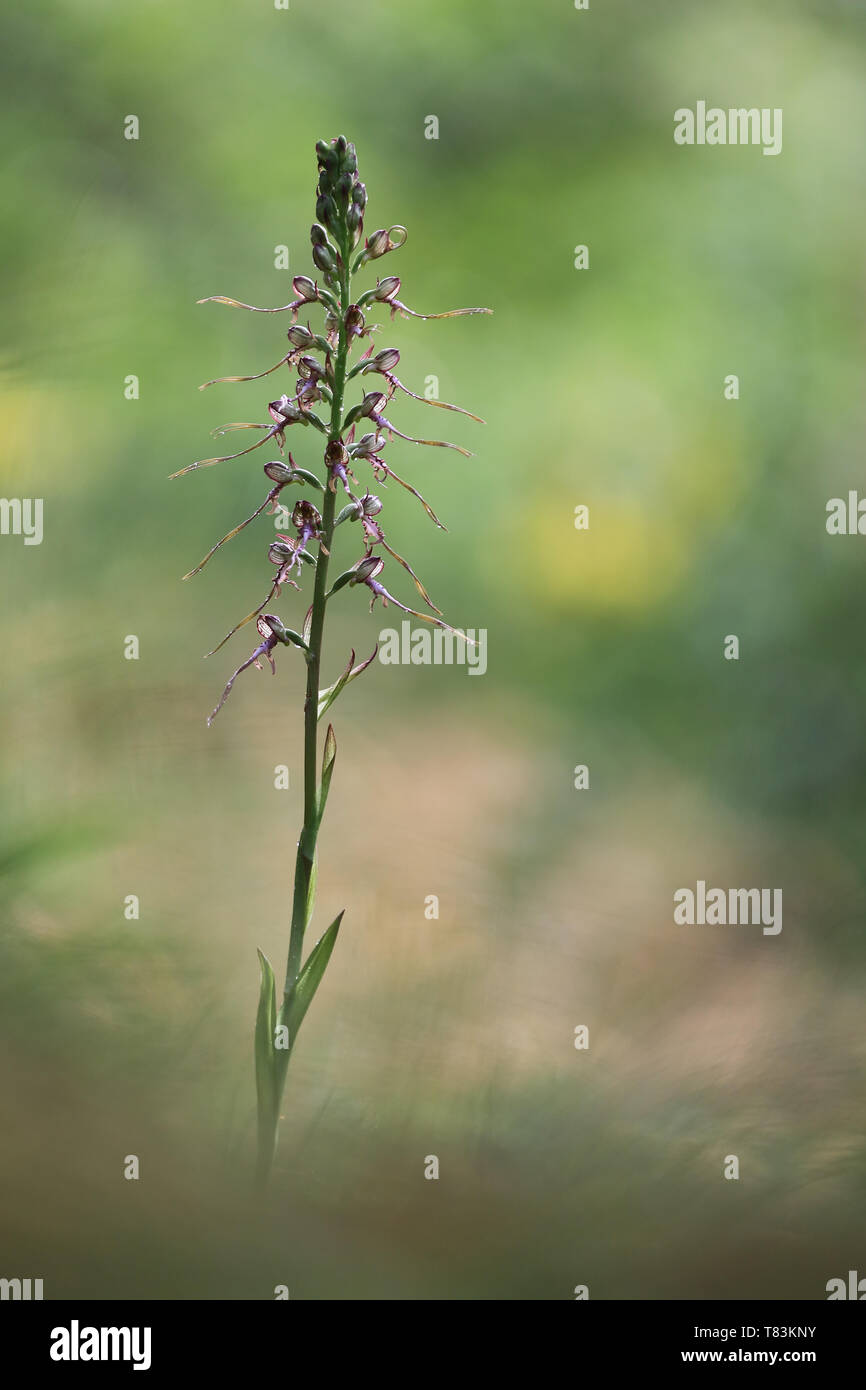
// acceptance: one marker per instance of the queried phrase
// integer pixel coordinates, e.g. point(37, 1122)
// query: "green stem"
point(306, 856)
point(309, 833)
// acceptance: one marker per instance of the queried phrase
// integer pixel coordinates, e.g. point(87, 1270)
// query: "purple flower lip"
point(264, 649)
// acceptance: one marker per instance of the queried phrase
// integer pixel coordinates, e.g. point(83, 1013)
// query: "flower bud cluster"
point(340, 200)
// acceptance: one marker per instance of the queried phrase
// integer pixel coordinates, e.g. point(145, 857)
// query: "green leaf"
point(329, 757)
point(301, 997)
point(266, 1019)
point(306, 872)
point(328, 696)
point(311, 892)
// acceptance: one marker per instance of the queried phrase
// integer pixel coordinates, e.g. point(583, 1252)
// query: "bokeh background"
point(604, 387)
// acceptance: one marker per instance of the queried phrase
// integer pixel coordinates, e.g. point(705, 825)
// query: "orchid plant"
point(321, 362)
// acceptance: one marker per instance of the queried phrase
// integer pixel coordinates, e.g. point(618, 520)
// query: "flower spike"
point(320, 366)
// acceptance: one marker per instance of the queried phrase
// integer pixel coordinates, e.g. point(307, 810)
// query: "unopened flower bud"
point(323, 259)
point(371, 565)
point(359, 195)
point(385, 361)
point(301, 337)
point(305, 289)
point(373, 402)
point(279, 552)
point(368, 445)
point(318, 235)
point(284, 411)
point(310, 367)
point(280, 472)
point(353, 217)
point(376, 245)
point(269, 625)
point(387, 288)
point(326, 209)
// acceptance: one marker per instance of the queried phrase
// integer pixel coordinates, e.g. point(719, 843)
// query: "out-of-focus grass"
point(451, 1037)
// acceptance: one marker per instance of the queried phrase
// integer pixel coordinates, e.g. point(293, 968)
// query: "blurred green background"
point(604, 387)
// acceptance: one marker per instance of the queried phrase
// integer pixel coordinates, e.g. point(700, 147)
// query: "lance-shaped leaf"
point(266, 1092)
point(329, 757)
point(304, 896)
point(328, 696)
point(311, 891)
point(299, 998)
